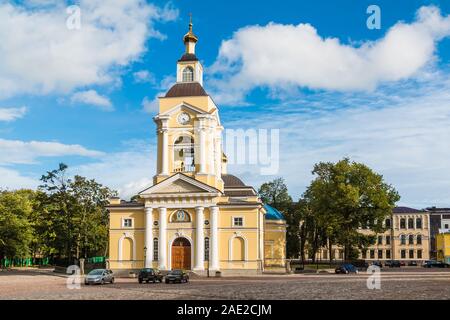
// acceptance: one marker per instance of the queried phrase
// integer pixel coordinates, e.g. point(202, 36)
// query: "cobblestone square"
point(399, 284)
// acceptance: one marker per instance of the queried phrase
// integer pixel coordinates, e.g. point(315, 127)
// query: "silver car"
point(99, 276)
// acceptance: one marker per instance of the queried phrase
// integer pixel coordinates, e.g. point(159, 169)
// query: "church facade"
point(195, 216)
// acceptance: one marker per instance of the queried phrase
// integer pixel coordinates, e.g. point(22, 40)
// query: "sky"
point(311, 69)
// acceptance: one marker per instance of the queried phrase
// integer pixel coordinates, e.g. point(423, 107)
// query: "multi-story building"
point(407, 238)
point(195, 216)
point(439, 223)
point(443, 247)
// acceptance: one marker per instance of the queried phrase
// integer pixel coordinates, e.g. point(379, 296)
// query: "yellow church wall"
point(274, 243)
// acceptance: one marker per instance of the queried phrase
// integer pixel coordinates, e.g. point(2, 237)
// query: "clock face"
point(183, 118)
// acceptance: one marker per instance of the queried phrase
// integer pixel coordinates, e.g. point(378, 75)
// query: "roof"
point(405, 210)
point(127, 204)
point(188, 57)
point(189, 89)
point(232, 181)
point(272, 213)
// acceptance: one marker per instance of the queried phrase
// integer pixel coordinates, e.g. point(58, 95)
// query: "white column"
point(199, 239)
point(165, 152)
point(214, 245)
point(202, 148)
point(162, 250)
point(148, 237)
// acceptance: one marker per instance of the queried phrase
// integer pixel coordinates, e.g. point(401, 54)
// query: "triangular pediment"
point(183, 107)
point(180, 184)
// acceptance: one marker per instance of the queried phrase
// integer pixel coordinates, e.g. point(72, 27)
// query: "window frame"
point(233, 221)
point(155, 249)
point(128, 219)
point(185, 73)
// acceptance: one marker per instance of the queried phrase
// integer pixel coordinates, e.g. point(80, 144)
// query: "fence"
point(29, 262)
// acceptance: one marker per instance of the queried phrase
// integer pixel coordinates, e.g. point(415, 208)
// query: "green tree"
point(275, 193)
point(16, 232)
point(345, 196)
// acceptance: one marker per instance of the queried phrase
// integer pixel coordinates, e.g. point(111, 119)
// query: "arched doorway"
point(181, 254)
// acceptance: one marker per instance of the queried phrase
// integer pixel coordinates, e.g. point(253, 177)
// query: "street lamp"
point(145, 256)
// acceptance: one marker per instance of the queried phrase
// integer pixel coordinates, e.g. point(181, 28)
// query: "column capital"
point(199, 208)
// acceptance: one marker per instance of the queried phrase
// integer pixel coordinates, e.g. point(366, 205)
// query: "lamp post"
point(145, 255)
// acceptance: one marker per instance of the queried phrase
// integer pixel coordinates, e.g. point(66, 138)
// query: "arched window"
point(206, 249)
point(388, 223)
point(402, 223)
point(183, 149)
point(411, 239)
point(402, 239)
point(188, 74)
point(419, 223)
point(155, 249)
point(181, 216)
point(127, 249)
point(419, 239)
point(410, 223)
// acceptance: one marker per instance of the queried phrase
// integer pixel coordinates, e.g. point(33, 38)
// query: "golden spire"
point(190, 36)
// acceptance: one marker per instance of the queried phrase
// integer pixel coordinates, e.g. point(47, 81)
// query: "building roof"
point(127, 204)
point(188, 57)
point(232, 181)
point(405, 210)
point(190, 89)
point(272, 213)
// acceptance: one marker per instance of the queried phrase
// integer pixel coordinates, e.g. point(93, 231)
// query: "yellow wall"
point(443, 247)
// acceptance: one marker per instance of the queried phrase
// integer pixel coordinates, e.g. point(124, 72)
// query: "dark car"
point(436, 264)
point(393, 264)
point(402, 263)
point(346, 268)
point(177, 276)
point(149, 274)
point(378, 264)
point(360, 264)
point(412, 263)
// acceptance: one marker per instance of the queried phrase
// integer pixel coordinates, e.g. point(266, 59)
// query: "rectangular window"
point(446, 226)
point(206, 249)
point(364, 254)
point(388, 223)
point(388, 254)
point(372, 254)
point(127, 223)
point(388, 239)
point(403, 254)
point(238, 221)
point(380, 254)
point(411, 254)
point(419, 223)
point(402, 223)
point(419, 254)
point(410, 223)
point(380, 239)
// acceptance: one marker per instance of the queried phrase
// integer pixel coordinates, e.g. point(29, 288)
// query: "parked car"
point(150, 274)
point(436, 264)
point(412, 263)
point(402, 263)
point(346, 268)
point(177, 276)
point(378, 264)
point(393, 264)
point(360, 264)
point(99, 276)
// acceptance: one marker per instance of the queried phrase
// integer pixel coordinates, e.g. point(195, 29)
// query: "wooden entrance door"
point(181, 254)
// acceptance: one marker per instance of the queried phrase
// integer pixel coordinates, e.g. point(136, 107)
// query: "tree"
point(275, 193)
point(16, 232)
point(345, 196)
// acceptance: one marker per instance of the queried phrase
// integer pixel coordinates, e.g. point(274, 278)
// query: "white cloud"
point(282, 56)
point(128, 171)
point(11, 114)
point(91, 97)
point(12, 179)
point(144, 76)
point(152, 105)
point(401, 132)
point(21, 152)
point(43, 56)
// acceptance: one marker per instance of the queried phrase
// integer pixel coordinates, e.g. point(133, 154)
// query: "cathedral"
point(195, 216)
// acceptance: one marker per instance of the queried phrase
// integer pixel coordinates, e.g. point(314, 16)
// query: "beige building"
point(195, 215)
point(407, 238)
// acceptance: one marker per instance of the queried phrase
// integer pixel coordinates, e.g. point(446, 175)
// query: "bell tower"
point(189, 129)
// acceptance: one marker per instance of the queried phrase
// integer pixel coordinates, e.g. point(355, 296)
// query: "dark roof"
point(438, 210)
point(272, 213)
point(188, 57)
point(405, 210)
point(232, 181)
point(186, 90)
point(240, 193)
point(124, 203)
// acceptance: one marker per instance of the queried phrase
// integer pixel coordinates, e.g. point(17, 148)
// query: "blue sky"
point(333, 87)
